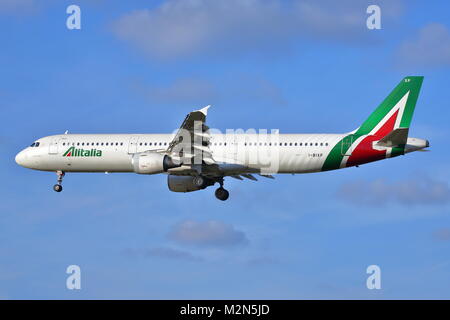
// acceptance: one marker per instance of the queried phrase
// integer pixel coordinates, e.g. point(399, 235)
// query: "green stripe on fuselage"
point(334, 158)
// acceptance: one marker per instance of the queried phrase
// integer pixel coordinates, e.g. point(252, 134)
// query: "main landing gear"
point(222, 193)
point(202, 182)
point(58, 186)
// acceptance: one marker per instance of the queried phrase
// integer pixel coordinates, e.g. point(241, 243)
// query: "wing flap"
point(249, 176)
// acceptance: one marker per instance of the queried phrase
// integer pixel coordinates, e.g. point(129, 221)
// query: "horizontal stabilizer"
point(394, 138)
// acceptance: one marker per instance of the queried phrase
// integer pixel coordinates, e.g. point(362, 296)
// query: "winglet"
point(205, 110)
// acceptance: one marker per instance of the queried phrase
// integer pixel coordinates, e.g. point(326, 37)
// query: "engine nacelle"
point(151, 163)
point(186, 183)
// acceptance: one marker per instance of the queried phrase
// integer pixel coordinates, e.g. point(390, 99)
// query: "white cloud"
point(208, 233)
point(420, 191)
point(182, 28)
point(429, 48)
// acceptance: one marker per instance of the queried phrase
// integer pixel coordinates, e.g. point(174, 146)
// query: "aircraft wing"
point(190, 146)
point(191, 142)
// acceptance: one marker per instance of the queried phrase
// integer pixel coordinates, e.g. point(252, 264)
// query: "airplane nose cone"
point(21, 158)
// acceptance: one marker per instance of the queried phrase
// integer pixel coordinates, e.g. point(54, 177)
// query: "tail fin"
point(395, 111)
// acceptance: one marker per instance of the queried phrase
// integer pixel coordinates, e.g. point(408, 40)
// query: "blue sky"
point(299, 66)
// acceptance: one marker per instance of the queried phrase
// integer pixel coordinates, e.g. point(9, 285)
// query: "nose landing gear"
point(58, 186)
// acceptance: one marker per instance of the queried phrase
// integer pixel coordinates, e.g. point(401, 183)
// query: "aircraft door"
point(346, 145)
point(132, 144)
point(53, 147)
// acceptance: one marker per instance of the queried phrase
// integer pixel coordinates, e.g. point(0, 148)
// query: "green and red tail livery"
point(393, 113)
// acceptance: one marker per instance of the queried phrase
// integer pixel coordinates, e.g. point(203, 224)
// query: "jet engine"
point(152, 162)
point(187, 183)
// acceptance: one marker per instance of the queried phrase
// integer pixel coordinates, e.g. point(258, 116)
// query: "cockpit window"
point(37, 144)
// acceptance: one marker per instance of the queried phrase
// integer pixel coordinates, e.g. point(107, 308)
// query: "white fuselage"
point(285, 153)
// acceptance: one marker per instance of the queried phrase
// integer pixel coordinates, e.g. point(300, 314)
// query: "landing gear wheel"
point(222, 194)
point(58, 186)
point(198, 181)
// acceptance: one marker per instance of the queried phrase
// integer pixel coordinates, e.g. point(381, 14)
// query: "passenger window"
point(121, 143)
point(317, 144)
point(106, 143)
point(117, 143)
point(150, 144)
point(140, 144)
point(290, 144)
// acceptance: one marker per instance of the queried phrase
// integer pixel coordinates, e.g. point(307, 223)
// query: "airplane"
point(195, 157)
